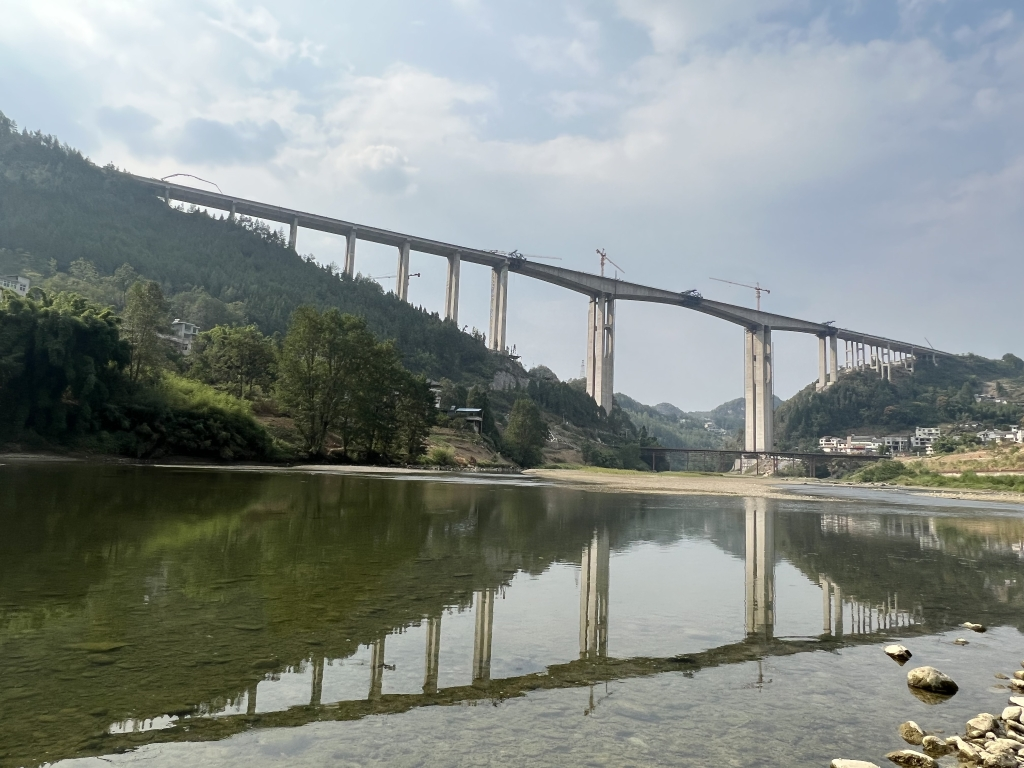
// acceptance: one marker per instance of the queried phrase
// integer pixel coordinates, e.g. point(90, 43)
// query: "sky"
point(862, 159)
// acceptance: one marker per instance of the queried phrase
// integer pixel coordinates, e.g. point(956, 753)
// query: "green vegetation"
point(525, 434)
point(918, 474)
point(933, 395)
point(335, 376)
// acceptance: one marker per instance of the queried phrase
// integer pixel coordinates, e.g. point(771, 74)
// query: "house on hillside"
point(830, 444)
point(896, 443)
point(19, 285)
point(924, 437)
point(183, 334)
point(1014, 435)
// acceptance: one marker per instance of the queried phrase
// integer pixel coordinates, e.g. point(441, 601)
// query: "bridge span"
point(862, 351)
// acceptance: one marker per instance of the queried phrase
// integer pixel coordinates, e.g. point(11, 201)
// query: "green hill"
point(934, 395)
point(57, 207)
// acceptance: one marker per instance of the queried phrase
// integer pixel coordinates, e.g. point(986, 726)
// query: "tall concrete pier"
point(758, 394)
point(402, 278)
point(350, 253)
point(601, 351)
point(451, 293)
point(499, 307)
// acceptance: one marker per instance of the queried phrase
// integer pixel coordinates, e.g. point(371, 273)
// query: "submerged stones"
point(932, 680)
point(910, 759)
point(960, 641)
point(973, 627)
point(839, 763)
point(898, 653)
point(911, 732)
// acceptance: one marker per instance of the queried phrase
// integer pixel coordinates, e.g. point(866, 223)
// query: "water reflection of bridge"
point(842, 615)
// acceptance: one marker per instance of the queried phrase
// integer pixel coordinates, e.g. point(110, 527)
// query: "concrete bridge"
point(862, 351)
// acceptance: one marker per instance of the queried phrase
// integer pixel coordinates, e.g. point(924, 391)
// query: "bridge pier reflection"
point(484, 600)
point(760, 568)
point(317, 687)
point(594, 568)
point(433, 655)
point(376, 669)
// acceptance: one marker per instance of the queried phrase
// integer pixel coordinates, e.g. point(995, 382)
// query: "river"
point(178, 616)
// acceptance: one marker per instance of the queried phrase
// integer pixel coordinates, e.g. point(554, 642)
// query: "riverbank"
point(685, 483)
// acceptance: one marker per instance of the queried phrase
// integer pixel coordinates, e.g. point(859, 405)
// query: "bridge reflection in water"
point(841, 615)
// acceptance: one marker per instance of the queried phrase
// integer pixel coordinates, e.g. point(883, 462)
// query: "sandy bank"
point(666, 482)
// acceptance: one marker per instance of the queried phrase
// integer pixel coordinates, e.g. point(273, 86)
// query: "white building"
point(830, 444)
point(896, 443)
point(19, 285)
point(924, 437)
point(183, 334)
point(1014, 435)
point(863, 444)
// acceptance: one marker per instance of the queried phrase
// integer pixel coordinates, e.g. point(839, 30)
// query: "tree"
point(145, 319)
point(525, 434)
point(237, 359)
point(60, 362)
point(124, 277)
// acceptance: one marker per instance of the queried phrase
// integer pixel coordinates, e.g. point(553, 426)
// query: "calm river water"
point(173, 617)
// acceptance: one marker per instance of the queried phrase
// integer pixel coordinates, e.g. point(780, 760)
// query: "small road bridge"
point(861, 350)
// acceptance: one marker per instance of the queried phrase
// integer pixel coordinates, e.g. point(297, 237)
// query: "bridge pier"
point(451, 292)
point(402, 278)
point(601, 351)
point(484, 600)
point(759, 417)
point(828, 362)
point(594, 570)
point(499, 306)
point(433, 655)
point(293, 234)
point(350, 253)
point(759, 564)
point(833, 360)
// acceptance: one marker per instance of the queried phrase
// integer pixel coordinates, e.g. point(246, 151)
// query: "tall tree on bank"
point(525, 434)
point(234, 359)
point(145, 319)
point(334, 376)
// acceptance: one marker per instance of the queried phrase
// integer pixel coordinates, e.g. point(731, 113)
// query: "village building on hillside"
point(19, 285)
point(183, 334)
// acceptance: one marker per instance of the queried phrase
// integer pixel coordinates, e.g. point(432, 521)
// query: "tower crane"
point(756, 288)
point(604, 258)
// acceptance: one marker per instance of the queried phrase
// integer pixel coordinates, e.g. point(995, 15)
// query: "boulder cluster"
point(989, 741)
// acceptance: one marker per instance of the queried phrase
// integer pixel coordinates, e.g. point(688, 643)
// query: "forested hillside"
point(935, 394)
point(58, 208)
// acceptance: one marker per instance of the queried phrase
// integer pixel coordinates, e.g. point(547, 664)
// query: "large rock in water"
point(911, 759)
point(930, 679)
point(838, 763)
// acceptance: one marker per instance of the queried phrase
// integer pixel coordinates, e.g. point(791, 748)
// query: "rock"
point(1017, 685)
point(935, 747)
point(910, 759)
point(911, 732)
point(960, 641)
point(1003, 745)
point(998, 760)
point(982, 724)
point(966, 752)
point(1001, 676)
point(973, 627)
point(901, 653)
point(838, 763)
point(1017, 701)
point(930, 679)
point(1019, 674)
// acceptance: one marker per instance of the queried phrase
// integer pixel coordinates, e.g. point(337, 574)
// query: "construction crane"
point(756, 288)
point(604, 258)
